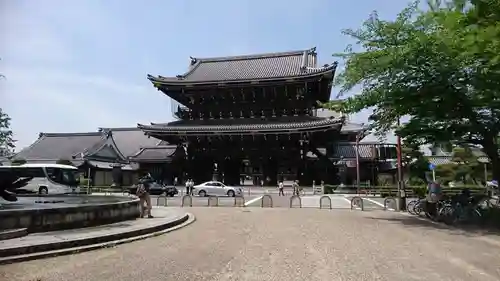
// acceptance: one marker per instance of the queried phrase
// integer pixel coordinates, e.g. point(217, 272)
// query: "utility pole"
point(401, 192)
point(358, 181)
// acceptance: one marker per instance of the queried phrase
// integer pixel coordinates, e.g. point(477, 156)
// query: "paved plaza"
point(284, 244)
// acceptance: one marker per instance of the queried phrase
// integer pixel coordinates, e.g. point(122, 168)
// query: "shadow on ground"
point(459, 229)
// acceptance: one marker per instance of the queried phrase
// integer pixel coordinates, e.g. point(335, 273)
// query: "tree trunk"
point(491, 150)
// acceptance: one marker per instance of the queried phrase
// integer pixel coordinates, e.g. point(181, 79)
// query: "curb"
point(185, 220)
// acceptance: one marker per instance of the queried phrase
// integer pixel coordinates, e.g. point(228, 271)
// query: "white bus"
point(47, 178)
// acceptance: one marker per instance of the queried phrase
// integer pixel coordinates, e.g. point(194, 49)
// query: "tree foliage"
point(417, 165)
point(464, 167)
point(6, 140)
point(439, 67)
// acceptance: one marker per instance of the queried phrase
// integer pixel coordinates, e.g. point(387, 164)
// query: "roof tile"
point(243, 125)
point(130, 140)
point(157, 153)
point(250, 67)
point(60, 146)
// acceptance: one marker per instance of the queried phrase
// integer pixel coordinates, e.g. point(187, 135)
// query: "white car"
point(216, 188)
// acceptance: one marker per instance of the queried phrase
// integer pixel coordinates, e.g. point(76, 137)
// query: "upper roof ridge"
point(249, 68)
point(118, 129)
point(70, 134)
point(254, 56)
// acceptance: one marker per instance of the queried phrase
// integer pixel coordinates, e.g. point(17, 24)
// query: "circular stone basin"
point(52, 212)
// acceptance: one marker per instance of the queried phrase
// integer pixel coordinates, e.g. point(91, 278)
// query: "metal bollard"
point(294, 198)
point(359, 201)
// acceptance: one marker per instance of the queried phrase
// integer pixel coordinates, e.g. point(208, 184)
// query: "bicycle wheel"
point(410, 207)
point(448, 214)
point(419, 208)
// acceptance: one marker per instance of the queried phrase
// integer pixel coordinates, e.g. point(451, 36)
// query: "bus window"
point(62, 176)
point(28, 172)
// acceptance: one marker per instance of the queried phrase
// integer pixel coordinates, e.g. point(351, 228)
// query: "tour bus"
point(47, 178)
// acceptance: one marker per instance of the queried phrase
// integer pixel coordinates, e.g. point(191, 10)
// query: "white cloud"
point(78, 65)
point(46, 89)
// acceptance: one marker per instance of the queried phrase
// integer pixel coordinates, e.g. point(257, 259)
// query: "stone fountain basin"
point(50, 213)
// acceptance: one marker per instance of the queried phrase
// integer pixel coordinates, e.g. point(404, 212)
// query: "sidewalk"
point(37, 245)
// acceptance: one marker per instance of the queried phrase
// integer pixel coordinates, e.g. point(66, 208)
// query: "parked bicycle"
point(416, 207)
point(456, 211)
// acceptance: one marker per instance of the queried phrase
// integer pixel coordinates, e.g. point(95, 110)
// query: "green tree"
point(6, 140)
point(464, 167)
point(417, 165)
point(64, 162)
point(439, 67)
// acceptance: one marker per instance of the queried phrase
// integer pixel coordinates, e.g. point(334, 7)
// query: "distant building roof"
point(347, 150)
point(130, 140)
point(106, 145)
point(440, 160)
point(155, 154)
point(270, 66)
point(51, 147)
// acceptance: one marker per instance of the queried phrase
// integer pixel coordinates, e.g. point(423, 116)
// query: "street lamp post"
point(401, 192)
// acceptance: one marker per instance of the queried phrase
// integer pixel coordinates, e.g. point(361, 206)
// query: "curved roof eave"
point(168, 81)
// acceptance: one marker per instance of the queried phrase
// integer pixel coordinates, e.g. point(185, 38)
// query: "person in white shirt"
point(280, 189)
point(187, 187)
point(191, 185)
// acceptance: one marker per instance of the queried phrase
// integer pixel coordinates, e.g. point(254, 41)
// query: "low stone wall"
point(67, 217)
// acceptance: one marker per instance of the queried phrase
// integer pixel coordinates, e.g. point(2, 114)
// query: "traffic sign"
point(432, 166)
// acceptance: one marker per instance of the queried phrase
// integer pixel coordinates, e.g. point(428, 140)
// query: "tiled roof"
point(353, 127)
point(440, 160)
point(162, 143)
point(50, 147)
point(156, 153)
point(130, 140)
point(243, 125)
point(347, 150)
point(260, 67)
point(109, 165)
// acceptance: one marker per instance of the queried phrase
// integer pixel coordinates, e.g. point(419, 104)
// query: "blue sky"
point(75, 66)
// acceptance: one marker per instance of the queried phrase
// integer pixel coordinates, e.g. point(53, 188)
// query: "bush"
point(18, 162)
point(84, 182)
point(419, 191)
point(329, 189)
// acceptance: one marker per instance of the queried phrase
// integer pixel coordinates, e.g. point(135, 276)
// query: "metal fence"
point(187, 201)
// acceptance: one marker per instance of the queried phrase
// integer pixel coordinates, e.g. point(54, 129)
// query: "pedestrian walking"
point(280, 189)
point(187, 183)
point(191, 186)
point(295, 186)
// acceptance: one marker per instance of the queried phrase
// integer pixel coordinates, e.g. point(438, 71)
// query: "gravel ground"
point(284, 244)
